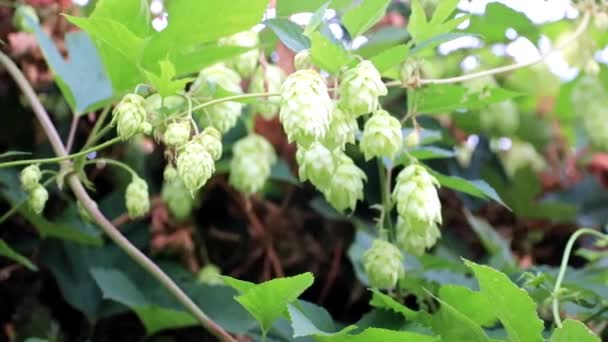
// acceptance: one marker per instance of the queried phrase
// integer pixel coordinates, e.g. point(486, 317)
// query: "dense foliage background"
point(516, 180)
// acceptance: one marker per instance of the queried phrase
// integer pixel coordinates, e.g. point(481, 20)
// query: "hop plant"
point(170, 173)
point(360, 88)
point(415, 236)
point(383, 264)
point(253, 157)
point(303, 60)
point(130, 116)
point(210, 275)
point(211, 139)
point(137, 198)
point(382, 136)
point(30, 177)
point(37, 198)
point(177, 197)
point(590, 103)
point(500, 118)
point(342, 130)
point(412, 139)
point(244, 63)
point(416, 195)
point(195, 165)
point(268, 79)
point(305, 107)
point(177, 133)
point(346, 185)
point(522, 155)
point(315, 163)
point(223, 116)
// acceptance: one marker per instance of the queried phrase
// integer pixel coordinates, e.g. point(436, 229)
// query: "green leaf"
point(164, 83)
point(8, 154)
point(316, 19)
point(476, 188)
point(362, 17)
point(431, 152)
point(303, 323)
point(572, 330)
point(497, 18)
point(454, 326)
point(390, 58)
point(512, 305)
point(7, 252)
point(443, 11)
point(382, 301)
point(328, 56)
point(134, 15)
point(82, 79)
point(290, 33)
point(241, 286)
point(268, 301)
point(441, 98)
point(472, 305)
point(190, 61)
point(497, 247)
point(384, 335)
point(421, 29)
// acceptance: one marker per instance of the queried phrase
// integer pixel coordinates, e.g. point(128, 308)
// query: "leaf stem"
point(113, 163)
point(93, 135)
point(61, 158)
point(91, 207)
point(231, 98)
point(564, 265)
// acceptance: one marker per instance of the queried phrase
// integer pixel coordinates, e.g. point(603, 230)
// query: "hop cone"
point(415, 236)
point(346, 185)
point(177, 133)
point(268, 81)
point(210, 275)
point(342, 130)
point(170, 173)
point(302, 60)
point(305, 107)
point(195, 165)
point(130, 116)
point(500, 119)
point(30, 177)
point(382, 136)
point(37, 198)
point(360, 88)
point(522, 155)
point(251, 163)
point(416, 195)
point(591, 106)
point(211, 139)
point(244, 63)
point(177, 197)
point(383, 264)
point(137, 198)
point(315, 163)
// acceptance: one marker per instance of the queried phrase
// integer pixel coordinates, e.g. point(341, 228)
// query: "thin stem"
point(90, 205)
point(231, 98)
point(564, 266)
point(113, 162)
point(94, 136)
point(64, 157)
point(72, 134)
point(577, 33)
point(385, 186)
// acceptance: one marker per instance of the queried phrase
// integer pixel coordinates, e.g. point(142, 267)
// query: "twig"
point(72, 134)
point(90, 205)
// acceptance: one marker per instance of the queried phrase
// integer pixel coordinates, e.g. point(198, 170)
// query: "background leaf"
point(7, 252)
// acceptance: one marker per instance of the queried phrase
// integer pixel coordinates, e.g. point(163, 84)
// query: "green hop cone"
point(244, 63)
point(303, 60)
point(177, 197)
point(382, 136)
point(501, 119)
point(211, 139)
point(360, 88)
point(415, 236)
point(37, 198)
point(252, 160)
point(346, 185)
point(130, 116)
point(194, 165)
point(342, 130)
point(590, 104)
point(268, 79)
point(522, 155)
point(416, 195)
point(137, 199)
point(305, 107)
point(177, 133)
point(222, 116)
point(413, 139)
point(383, 264)
point(30, 177)
point(210, 275)
point(170, 173)
point(315, 163)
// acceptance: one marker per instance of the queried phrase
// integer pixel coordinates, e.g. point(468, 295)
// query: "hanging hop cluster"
point(177, 133)
point(137, 199)
point(130, 117)
point(176, 195)
point(244, 63)
point(252, 160)
point(30, 182)
point(267, 79)
point(223, 116)
point(382, 136)
point(383, 264)
point(419, 209)
point(305, 107)
point(346, 186)
point(196, 159)
point(590, 102)
point(360, 88)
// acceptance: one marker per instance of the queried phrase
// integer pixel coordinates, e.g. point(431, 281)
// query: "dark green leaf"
point(384, 335)
point(303, 323)
point(316, 19)
point(14, 153)
point(431, 152)
point(497, 247)
point(164, 83)
point(290, 33)
point(7, 252)
point(382, 301)
point(280, 172)
point(390, 58)
point(360, 18)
